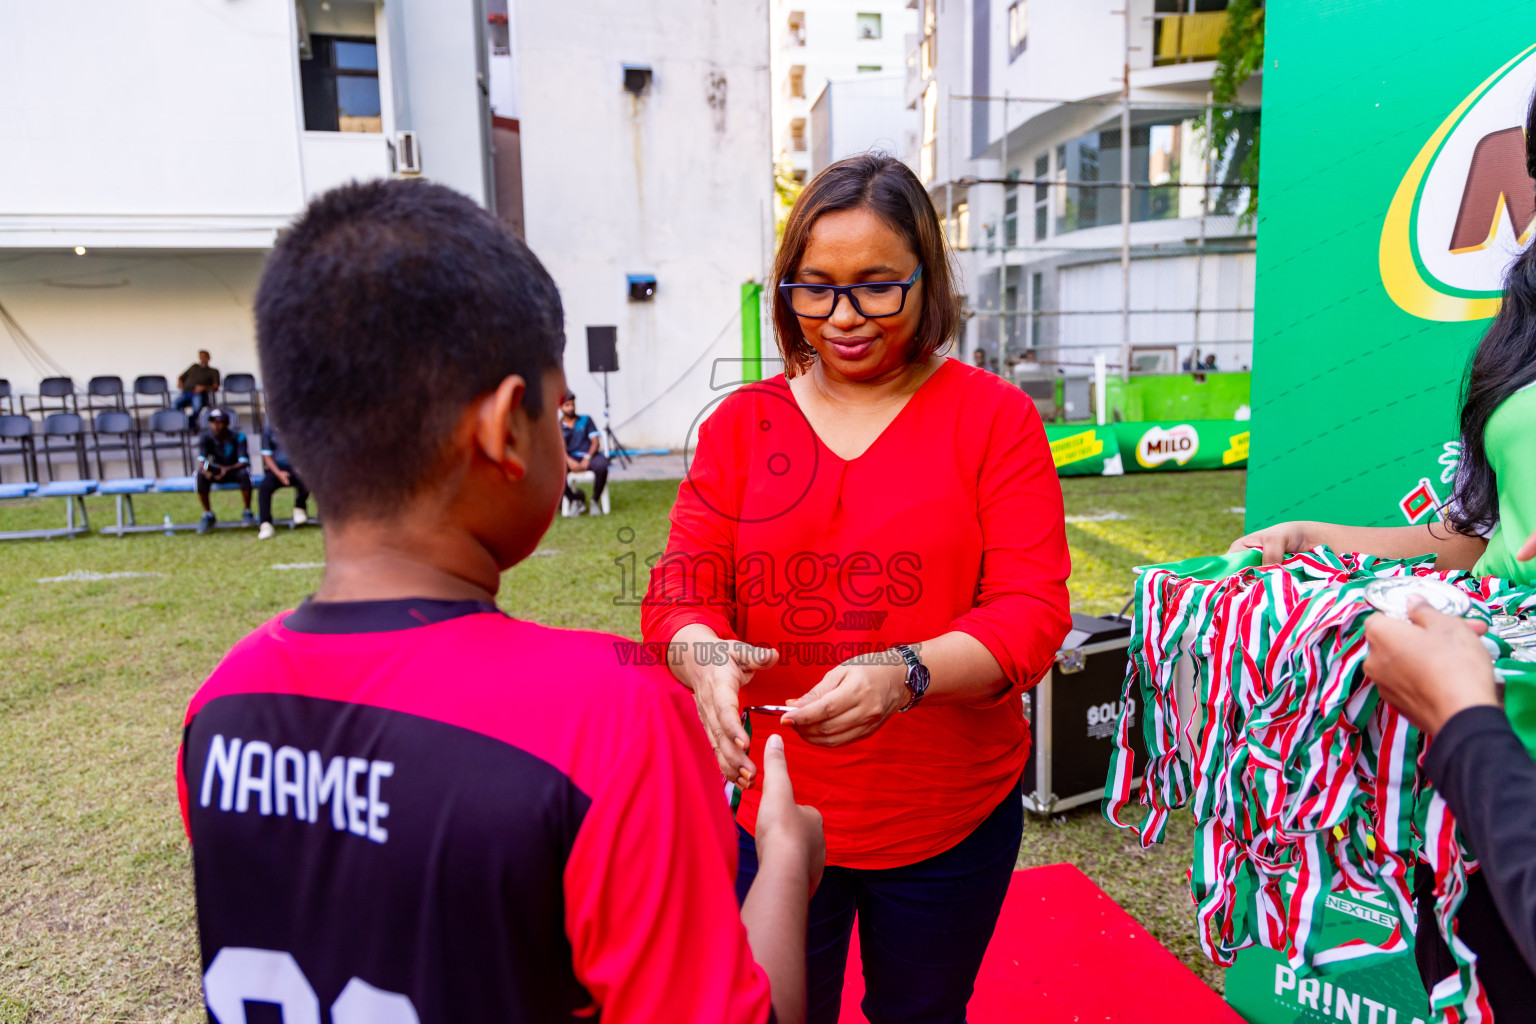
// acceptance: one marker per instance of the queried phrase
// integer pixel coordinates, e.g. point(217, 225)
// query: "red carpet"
point(1065, 952)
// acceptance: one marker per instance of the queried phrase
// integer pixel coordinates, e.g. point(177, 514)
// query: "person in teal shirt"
point(1491, 511)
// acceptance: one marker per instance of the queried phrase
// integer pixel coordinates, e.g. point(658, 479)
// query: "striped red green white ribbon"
point(1302, 782)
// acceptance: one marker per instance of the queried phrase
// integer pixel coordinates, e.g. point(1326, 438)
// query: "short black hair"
point(382, 312)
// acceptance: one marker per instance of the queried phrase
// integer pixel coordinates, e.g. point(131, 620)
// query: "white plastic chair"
point(571, 507)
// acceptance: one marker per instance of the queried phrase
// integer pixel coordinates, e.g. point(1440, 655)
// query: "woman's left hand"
point(851, 702)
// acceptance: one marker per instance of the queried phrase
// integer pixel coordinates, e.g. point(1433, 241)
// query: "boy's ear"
point(501, 427)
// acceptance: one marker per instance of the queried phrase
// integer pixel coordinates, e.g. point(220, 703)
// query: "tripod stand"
point(616, 451)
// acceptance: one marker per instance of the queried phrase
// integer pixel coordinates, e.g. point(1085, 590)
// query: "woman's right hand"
point(1276, 541)
point(716, 670)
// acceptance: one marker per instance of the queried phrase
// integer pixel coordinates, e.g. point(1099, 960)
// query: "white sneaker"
point(300, 517)
point(266, 532)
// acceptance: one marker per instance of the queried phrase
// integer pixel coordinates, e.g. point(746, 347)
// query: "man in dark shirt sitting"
point(222, 459)
point(583, 444)
point(198, 383)
point(277, 472)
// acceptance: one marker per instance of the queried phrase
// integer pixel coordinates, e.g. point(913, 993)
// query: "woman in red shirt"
point(875, 538)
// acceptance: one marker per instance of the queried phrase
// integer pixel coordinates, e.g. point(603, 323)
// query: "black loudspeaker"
point(602, 350)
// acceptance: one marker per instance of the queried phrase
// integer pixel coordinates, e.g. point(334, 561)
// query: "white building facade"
point(156, 156)
point(816, 41)
point(1032, 91)
point(647, 190)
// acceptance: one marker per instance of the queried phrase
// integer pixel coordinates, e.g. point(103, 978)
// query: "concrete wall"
point(128, 314)
point(859, 115)
point(676, 182)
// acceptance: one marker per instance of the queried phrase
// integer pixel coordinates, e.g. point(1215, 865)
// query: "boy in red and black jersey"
point(404, 805)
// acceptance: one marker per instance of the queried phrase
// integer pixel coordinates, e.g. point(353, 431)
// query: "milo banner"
point(1162, 446)
point(1394, 196)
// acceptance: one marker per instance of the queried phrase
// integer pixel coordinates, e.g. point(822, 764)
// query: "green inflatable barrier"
point(1166, 445)
point(1084, 449)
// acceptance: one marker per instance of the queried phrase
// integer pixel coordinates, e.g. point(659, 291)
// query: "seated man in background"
point(222, 459)
point(397, 784)
point(198, 383)
point(583, 442)
point(277, 472)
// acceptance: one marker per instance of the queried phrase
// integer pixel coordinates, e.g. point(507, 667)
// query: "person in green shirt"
point(1491, 511)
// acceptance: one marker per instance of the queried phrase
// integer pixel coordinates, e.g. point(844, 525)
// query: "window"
point(341, 85)
point(868, 25)
point(1018, 28)
point(963, 224)
point(1011, 213)
point(864, 68)
point(1042, 195)
point(797, 82)
point(796, 28)
point(1036, 290)
point(925, 164)
point(797, 135)
point(930, 32)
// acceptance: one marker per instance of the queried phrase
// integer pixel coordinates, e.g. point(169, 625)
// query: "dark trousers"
point(241, 478)
point(923, 928)
point(599, 468)
point(193, 402)
point(1501, 970)
point(269, 485)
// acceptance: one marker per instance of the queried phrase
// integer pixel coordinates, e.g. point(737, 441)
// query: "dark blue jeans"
point(923, 928)
point(193, 402)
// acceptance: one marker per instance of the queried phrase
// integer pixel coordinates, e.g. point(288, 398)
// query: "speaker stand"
point(616, 450)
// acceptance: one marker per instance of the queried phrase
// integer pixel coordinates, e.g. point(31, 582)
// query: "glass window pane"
point(357, 100)
point(355, 56)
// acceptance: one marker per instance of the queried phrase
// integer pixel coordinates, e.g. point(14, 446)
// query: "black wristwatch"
point(917, 675)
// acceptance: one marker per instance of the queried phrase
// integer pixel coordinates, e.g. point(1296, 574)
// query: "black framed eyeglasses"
point(871, 299)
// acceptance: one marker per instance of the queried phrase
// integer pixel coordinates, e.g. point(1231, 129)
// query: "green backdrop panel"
point(1374, 284)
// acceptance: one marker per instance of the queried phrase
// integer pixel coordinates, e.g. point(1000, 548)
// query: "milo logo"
point(1466, 205)
point(1175, 444)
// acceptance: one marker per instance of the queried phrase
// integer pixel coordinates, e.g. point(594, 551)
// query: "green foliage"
point(786, 189)
point(1232, 131)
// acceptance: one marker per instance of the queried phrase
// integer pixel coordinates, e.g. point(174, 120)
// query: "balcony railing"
point(1181, 38)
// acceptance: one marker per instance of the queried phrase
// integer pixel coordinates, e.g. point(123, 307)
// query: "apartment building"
point(814, 42)
point(158, 149)
point(1022, 116)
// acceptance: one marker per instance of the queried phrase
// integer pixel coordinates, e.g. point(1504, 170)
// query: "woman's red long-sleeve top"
point(951, 520)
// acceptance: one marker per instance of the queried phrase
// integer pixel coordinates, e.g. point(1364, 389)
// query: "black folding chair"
point(151, 392)
point(56, 389)
point(64, 433)
point(240, 389)
point(114, 431)
point(6, 399)
point(167, 431)
point(104, 393)
point(16, 438)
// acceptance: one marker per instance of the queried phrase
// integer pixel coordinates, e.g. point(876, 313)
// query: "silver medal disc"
point(1390, 596)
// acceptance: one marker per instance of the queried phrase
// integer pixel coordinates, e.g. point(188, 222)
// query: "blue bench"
point(72, 491)
point(123, 491)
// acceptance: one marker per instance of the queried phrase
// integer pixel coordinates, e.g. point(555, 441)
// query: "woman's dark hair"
point(384, 311)
point(889, 189)
point(1505, 362)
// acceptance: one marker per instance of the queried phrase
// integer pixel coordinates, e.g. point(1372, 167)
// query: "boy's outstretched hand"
point(786, 829)
point(790, 854)
point(1430, 667)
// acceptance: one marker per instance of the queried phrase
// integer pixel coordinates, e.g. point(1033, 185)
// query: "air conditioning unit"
point(407, 153)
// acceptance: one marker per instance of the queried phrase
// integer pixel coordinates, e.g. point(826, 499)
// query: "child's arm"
point(650, 898)
point(1455, 550)
point(790, 855)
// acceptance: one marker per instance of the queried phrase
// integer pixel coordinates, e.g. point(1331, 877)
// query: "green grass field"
point(106, 639)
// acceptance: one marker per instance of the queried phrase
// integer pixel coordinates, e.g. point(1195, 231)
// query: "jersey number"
point(238, 975)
